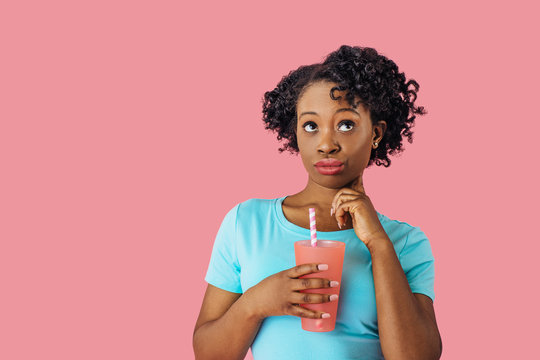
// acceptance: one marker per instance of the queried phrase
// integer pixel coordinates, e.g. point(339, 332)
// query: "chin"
point(330, 181)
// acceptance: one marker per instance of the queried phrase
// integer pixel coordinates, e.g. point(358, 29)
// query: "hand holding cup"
point(279, 294)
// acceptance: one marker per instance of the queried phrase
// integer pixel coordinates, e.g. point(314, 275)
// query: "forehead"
point(316, 97)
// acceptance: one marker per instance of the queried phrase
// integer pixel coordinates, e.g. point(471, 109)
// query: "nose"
point(327, 143)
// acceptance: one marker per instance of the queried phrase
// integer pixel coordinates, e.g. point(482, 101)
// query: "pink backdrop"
point(129, 128)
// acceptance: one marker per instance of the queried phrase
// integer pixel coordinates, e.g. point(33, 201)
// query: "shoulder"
point(397, 227)
point(402, 234)
point(250, 215)
point(254, 207)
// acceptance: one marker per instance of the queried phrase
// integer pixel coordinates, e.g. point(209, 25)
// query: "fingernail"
point(322, 267)
point(333, 297)
point(332, 211)
point(333, 283)
point(325, 316)
point(338, 224)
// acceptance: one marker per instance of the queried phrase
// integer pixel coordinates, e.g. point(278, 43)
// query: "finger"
point(311, 298)
point(339, 194)
point(346, 207)
point(310, 283)
point(297, 310)
point(305, 269)
point(344, 198)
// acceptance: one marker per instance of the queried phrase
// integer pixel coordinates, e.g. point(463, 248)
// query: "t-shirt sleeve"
point(418, 263)
point(224, 268)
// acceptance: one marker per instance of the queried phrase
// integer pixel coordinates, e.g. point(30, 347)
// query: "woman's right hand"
point(279, 294)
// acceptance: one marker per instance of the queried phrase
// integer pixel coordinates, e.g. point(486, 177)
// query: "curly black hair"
point(362, 72)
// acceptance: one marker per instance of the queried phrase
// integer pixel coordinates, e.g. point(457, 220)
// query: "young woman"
point(342, 116)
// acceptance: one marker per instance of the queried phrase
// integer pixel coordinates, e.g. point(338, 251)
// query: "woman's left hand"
point(353, 200)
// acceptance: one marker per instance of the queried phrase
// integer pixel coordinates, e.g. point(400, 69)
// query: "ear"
point(379, 130)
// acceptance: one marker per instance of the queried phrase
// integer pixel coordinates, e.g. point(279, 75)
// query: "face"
point(332, 129)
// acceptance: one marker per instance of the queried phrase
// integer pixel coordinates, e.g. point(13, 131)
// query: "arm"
point(226, 326)
point(406, 321)
point(228, 322)
point(407, 325)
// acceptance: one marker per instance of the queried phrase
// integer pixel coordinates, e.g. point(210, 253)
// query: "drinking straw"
point(312, 227)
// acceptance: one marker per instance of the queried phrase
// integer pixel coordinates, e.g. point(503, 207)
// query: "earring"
point(376, 144)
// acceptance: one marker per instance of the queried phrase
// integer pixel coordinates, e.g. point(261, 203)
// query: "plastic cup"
point(326, 252)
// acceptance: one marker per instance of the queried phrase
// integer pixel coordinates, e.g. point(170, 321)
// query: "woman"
point(341, 116)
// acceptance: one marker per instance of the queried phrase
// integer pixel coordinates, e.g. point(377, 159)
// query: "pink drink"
point(326, 252)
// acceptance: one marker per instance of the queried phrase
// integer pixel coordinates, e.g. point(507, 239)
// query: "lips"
point(329, 162)
point(329, 166)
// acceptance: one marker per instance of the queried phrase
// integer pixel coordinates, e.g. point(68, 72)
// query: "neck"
point(320, 195)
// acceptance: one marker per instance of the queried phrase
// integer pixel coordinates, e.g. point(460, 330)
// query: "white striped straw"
point(312, 227)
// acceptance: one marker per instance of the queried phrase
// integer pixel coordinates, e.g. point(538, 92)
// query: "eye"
point(310, 124)
point(348, 123)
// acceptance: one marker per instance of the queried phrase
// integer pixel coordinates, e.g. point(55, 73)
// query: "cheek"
point(358, 151)
point(356, 145)
point(305, 143)
point(305, 149)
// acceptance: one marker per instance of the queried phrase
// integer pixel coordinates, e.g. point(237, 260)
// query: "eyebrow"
point(338, 111)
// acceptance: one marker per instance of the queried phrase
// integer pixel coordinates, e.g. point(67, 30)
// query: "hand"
point(354, 201)
point(279, 294)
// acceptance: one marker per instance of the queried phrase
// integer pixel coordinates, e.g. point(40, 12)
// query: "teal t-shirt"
point(255, 240)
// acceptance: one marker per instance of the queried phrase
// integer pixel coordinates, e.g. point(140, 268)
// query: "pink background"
point(129, 129)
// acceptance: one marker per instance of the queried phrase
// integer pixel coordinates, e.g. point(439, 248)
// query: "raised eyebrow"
point(337, 111)
point(308, 113)
point(348, 109)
